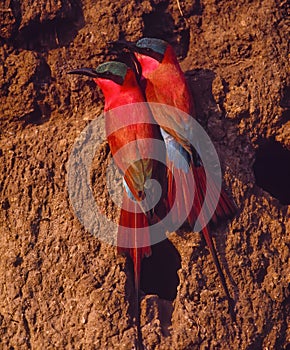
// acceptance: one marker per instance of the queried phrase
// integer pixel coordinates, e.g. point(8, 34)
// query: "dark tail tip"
point(231, 309)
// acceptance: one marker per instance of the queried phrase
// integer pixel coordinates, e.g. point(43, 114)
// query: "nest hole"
point(159, 271)
point(272, 170)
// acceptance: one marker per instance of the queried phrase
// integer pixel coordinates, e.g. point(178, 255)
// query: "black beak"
point(89, 72)
point(119, 45)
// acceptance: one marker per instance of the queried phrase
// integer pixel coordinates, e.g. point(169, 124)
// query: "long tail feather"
point(225, 207)
point(199, 198)
point(136, 244)
point(212, 249)
point(179, 185)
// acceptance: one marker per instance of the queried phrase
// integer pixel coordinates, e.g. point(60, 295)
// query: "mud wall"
point(61, 287)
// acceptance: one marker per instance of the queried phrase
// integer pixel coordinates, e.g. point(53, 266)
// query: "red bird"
point(120, 88)
point(164, 82)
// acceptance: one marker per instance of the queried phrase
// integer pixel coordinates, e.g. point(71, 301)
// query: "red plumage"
point(130, 240)
point(165, 83)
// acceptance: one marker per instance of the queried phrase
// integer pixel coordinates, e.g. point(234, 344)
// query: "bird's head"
point(151, 47)
point(111, 71)
point(148, 52)
point(113, 78)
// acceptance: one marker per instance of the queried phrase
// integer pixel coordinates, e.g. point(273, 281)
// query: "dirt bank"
point(61, 287)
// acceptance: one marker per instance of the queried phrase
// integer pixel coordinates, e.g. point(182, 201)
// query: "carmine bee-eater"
point(120, 88)
point(164, 82)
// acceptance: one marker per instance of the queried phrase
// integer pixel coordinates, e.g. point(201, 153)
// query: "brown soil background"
point(62, 288)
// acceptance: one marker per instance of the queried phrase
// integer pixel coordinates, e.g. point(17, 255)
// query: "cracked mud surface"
point(61, 287)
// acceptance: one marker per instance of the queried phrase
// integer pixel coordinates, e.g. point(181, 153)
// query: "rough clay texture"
point(63, 288)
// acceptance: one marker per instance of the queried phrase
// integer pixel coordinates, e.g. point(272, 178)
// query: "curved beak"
point(119, 45)
point(89, 72)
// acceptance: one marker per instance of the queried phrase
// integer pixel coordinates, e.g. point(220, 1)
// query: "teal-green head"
point(111, 70)
point(157, 46)
point(151, 47)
